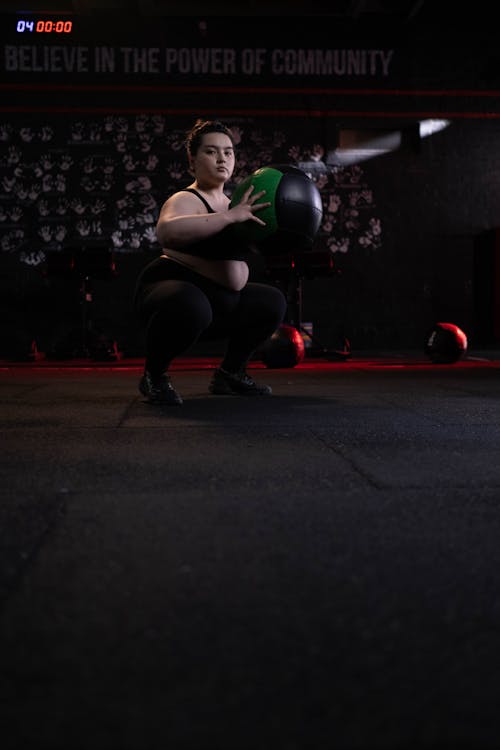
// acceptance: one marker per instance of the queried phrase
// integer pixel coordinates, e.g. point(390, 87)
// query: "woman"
point(199, 285)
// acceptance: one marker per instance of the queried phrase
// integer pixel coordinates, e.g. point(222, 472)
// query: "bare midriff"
point(233, 274)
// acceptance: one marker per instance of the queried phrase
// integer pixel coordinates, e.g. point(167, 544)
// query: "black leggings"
point(177, 307)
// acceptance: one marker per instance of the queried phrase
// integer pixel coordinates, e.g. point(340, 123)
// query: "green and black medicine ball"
point(294, 216)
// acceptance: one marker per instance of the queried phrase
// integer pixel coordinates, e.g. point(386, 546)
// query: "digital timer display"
point(43, 26)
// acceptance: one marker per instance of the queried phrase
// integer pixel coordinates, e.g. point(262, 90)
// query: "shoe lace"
point(160, 384)
point(245, 378)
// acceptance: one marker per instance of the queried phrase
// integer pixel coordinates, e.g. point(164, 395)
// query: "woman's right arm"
point(180, 224)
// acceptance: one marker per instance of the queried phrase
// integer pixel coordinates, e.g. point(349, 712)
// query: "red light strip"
point(254, 112)
point(489, 93)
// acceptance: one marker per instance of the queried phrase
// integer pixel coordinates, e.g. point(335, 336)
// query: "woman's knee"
point(266, 301)
point(180, 303)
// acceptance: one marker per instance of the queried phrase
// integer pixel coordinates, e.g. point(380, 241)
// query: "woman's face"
point(214, 160)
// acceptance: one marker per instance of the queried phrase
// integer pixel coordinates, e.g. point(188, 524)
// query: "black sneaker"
point(236, 384)
point(159, 390)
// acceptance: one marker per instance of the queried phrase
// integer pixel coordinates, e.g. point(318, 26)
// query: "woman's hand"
point(246, 209)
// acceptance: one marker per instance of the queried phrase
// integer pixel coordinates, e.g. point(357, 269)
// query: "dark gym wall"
point(436, 202)
point(91, 145)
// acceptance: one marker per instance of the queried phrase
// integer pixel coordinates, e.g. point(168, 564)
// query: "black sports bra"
point(221, 246)
point(198, 195)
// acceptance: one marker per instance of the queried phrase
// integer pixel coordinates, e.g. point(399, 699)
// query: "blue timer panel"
point(43, 26)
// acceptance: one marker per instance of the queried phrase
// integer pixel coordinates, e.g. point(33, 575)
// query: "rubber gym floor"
point(316, 570)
